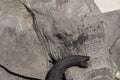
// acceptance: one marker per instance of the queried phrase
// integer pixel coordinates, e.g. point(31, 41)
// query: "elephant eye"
point(59, 36)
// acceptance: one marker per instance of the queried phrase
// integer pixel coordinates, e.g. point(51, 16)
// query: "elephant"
point(56, 29)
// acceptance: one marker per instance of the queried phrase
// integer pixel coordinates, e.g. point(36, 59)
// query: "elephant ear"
point(20, 49)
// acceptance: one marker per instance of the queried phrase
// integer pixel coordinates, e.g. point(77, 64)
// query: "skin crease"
point(57, 71)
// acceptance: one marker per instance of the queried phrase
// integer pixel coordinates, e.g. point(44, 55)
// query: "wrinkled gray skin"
point(67, 27)
point(62, 28)
point(50, 11)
